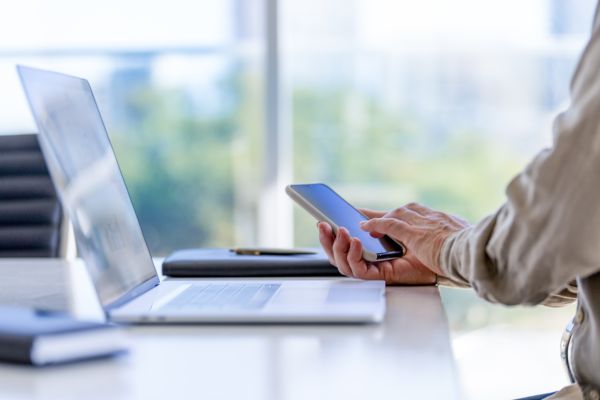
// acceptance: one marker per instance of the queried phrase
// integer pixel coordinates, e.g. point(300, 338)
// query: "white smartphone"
point(326, 205)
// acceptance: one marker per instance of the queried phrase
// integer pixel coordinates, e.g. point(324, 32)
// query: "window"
point(180, 88)
point(439, 102)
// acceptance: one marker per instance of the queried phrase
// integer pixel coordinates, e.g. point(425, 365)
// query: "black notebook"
point(226, 263)
point(35, 337)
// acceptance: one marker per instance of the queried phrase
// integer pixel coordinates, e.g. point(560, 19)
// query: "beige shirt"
point(546, 236)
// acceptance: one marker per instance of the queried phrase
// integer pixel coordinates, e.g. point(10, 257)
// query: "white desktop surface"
point(408, 356)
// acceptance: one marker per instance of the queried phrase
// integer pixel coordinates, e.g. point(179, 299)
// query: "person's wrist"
point(437, 265)
point(435, 262)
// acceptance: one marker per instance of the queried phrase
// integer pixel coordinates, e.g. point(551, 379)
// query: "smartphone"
point(326, 205)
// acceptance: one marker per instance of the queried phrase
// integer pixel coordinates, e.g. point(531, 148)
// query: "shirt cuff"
point(455, 243)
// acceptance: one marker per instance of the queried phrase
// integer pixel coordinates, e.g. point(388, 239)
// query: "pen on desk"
point(263, 251)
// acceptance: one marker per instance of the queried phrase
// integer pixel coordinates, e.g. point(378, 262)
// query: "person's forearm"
point(508, 258)
point(547, 232)
point(453, 277)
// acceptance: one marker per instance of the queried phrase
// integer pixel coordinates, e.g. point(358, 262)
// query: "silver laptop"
point(109, 239)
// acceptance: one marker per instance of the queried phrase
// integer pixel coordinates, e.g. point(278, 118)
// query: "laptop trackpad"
point(343, 294)
point(333, 295)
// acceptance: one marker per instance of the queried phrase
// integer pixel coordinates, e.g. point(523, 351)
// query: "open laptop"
point(109, 239)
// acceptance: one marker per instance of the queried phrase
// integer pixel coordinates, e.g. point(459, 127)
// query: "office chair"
point(32, 223)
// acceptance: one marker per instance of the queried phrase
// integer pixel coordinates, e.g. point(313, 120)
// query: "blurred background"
point(214, 105)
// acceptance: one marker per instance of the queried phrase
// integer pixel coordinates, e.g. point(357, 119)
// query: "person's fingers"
point(360, 268)
point(373, 272)
point(430, 214)
point(405, 271)
point(371, 213)
point(405, 214)
point(419, 208)
point(326, 238)
point(387, 271)
point(355, 260)
point(398, 271)
point(376, 235)
point(341, 246)
point(394, 228)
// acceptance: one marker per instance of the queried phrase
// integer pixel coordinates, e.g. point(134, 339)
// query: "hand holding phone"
point(326, 205)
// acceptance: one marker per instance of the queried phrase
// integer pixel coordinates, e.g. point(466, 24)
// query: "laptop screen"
point(89, 183)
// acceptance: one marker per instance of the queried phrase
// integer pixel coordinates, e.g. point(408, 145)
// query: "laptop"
point(89, 183)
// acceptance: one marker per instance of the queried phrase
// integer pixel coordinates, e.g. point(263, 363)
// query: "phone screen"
point(342, 214)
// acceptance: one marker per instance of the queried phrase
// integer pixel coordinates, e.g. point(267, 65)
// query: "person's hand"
point(420, 229)
point(346, 253)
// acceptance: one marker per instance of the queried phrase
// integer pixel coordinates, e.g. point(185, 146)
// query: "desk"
point(407, 357)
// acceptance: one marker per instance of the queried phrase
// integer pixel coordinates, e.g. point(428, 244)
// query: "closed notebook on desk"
point(226, 263)
point(29, 336)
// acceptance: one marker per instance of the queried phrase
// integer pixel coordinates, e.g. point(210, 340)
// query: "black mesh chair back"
point(30, 212)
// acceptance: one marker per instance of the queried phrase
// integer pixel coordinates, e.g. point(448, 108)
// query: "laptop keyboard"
point(225, 296)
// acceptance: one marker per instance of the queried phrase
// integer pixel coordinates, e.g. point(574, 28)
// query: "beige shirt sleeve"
point(548, 231)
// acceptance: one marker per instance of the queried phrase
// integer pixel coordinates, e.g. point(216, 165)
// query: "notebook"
point(29, 336)
point(227, 263)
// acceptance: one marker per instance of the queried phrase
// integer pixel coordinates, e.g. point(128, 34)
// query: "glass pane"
point(180, 88)
point(115, 24)
point(432, 101)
